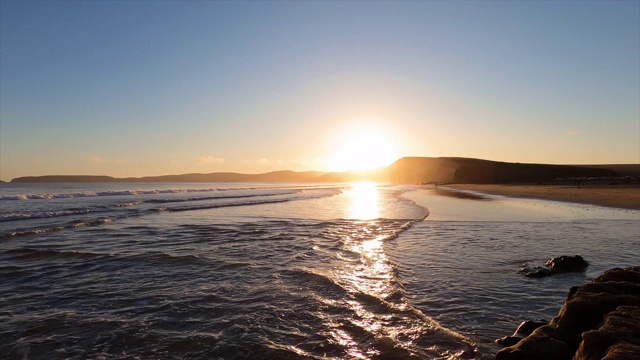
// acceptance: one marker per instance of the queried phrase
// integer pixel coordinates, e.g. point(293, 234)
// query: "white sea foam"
point(40, 214)
point(140, 191)
point(98, 193)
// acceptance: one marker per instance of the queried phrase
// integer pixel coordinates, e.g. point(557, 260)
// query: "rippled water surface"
point(264, 271)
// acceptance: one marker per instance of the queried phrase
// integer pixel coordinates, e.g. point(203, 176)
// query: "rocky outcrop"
point(525, 329)
point(599, 320)
point(567, 264)
point(617, 338)
point(557, 265)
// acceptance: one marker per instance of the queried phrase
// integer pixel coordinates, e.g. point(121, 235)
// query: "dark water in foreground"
point(255, 271)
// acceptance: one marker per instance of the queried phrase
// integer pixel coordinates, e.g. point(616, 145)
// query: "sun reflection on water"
point(371, 283)
point(379, 321)
point(373, 274)
point(370, 280)
point(364, 201)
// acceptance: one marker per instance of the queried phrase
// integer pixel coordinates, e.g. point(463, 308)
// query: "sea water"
point(282, 271)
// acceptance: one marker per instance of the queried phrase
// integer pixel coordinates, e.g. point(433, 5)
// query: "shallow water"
point(464, 275)
point(246, 271)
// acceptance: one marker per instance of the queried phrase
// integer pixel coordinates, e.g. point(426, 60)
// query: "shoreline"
point(474, 203)
point(615, 196)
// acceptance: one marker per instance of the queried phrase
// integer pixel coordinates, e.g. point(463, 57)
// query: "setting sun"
point(363, 149)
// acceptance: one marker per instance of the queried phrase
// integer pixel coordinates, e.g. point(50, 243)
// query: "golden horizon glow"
point(363, 148)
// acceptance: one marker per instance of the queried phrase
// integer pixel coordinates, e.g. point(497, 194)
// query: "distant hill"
point(64, 178)
point(420, 170)
point(413, 170)
point(276, 176)
point(478, 171)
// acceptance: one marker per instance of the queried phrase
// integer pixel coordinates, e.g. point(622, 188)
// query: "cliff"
point(478, 171)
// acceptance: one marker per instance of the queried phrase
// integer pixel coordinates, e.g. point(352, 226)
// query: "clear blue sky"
point(134, 88)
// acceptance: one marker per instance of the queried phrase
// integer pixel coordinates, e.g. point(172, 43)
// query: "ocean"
point(284, 271)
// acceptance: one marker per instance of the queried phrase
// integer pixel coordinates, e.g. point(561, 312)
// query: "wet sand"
point(619, 196)
point(477, 203)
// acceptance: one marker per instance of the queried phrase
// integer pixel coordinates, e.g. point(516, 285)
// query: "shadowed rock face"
point(599, 320)
point(617, 338)
point(525, 329)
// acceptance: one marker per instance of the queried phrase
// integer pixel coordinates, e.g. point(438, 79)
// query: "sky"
point(141, 88)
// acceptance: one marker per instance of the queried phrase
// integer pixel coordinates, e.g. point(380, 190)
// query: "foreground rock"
point(557, 265)
point(599, 320)
point(525, 329)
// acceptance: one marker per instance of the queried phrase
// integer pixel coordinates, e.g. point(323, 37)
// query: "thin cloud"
point(264, 162)
point(209, 160)
point(101, 160)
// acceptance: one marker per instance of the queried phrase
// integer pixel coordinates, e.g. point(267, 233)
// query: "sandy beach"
point(619, 196)
point(514, 203)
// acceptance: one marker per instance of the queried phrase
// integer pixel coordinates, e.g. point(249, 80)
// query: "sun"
point(363, 148)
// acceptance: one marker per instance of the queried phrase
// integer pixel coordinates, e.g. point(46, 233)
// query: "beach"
point(517, 203)
point(297, 271)
point(620, 196)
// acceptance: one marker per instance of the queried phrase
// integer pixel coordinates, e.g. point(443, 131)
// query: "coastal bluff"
point(599, 320)
point(459, 170)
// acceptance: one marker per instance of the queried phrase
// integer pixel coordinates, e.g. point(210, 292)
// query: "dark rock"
point(539, 273)
point(525, 329)
point(567, 264)
point(618, 335)
point(508, 340)
point(557, 265)
point(541, 344)
point(599, 320)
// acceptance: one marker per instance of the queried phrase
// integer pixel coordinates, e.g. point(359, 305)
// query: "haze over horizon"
point(132, 89)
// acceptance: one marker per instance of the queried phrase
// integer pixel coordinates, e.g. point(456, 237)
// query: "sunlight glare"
point(363, 149)
point(364, 204)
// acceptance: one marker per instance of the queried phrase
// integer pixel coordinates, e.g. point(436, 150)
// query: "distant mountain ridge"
point(276, 176)
point(405, 170)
